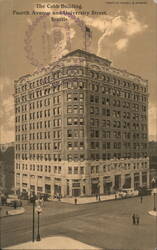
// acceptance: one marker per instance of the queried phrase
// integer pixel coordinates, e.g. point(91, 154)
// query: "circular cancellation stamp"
point(53, 39)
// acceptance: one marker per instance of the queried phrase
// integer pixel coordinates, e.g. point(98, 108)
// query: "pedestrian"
point(141, 198)
point(137, 219)
point(75, 201)
point(133, 219)
point(96, 196)
point(15, 205)
point(59, 197)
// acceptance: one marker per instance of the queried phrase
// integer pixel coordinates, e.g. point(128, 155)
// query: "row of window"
point(116, 92)
point(80, 157)
point(107, 78)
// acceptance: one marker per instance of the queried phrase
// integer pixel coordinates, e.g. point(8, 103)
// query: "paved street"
point(103, 225)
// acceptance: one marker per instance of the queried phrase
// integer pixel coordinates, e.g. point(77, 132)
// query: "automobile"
point(127, 193)
point(16, 203)
point(13, 200)
point(130, 192)
point(45, 196)
point(10, 198)
point(121, 195)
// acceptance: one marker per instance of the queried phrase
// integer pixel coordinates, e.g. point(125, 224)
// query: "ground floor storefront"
point(99, 178)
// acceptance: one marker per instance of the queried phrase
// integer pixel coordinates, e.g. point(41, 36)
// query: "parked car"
point(127, 193)
point(16, 203)
point(45, 196)
point(11, 198)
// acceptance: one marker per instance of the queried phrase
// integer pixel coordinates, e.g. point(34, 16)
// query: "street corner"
point(17, 211)
point(58, 242)
point(152, 212)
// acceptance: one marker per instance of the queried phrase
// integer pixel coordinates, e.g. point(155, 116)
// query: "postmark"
point(53, 40)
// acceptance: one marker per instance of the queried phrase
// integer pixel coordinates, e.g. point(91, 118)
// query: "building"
point(6, 167)
point(81, 128)
point(153, 162)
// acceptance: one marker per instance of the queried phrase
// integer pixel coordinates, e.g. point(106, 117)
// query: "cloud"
point(29, 21)
point(152, 115)
point(121, 44)
point(133, 26)
point(117, 30)
point(6, 110)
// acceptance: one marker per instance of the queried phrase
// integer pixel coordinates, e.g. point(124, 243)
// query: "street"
point(102, 224)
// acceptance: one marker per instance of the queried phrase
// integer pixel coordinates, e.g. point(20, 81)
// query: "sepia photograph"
point(78, 124)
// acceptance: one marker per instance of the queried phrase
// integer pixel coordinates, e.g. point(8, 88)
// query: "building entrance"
point(117, 182)
point(107, 185)
point(76, 192)
point(57, 189)
point(47, 188)
point(94, 185)
point(94, 188)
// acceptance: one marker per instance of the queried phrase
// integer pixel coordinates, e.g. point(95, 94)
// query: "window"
point(69, 157)
point(69, 133)
point(91, 110)
point(69, 109)
point(69, 121)
point(75, 121)
point(81, 157)
point(81, 145)
point(76, 133)
point(69, 97)
point(75, 108)
point(69, 144)
point(69, 170)
point(81, 121)
point(81, 109)
point(75, 170)
point(81, 97)
point(81, 170)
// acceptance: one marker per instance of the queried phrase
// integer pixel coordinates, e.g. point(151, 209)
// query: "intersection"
point(102, 224)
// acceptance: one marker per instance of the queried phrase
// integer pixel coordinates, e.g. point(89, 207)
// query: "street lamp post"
point(38, 232)
point(38, 210)
point(154, 202)
point(33, 217)
point(98, 190)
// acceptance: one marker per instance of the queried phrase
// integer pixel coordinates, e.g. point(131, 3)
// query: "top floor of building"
point(85, 65)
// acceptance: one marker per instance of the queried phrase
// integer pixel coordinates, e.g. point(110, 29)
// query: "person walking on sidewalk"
point(96, 196)
point(133, 219)
point(137, 219)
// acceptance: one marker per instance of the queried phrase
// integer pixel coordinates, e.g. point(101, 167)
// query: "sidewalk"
point(84, 200)
point(56, 242)
point(7, 211)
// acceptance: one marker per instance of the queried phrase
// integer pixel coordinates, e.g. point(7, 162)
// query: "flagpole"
point(85, 39)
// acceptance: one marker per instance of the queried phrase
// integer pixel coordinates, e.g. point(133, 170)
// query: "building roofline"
point(86, 54)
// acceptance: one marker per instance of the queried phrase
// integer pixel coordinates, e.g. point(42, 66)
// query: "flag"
point(88, 31)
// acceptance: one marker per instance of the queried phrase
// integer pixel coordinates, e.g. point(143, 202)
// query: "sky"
point(126, 35)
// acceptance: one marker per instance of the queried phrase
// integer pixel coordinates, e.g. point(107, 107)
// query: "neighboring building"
point(153, 161)
point(6, 167)
point(81, 128)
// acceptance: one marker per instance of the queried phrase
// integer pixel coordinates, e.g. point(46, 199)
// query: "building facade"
point(152, 152)
point(6, 167)
point(81, 128)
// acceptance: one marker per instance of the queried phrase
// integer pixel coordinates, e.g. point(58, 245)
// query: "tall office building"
point(81, 128)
